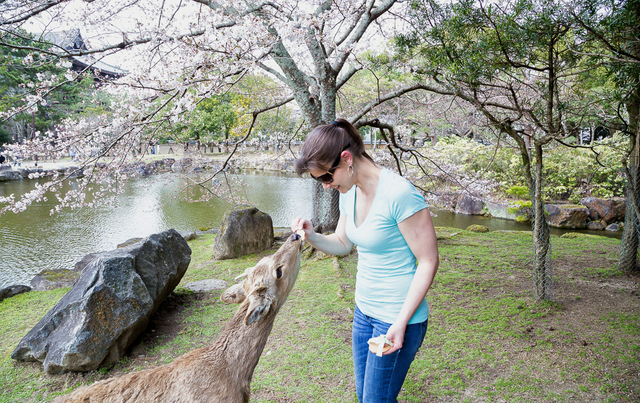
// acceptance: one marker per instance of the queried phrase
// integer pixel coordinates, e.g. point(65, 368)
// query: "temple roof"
point(72, 40)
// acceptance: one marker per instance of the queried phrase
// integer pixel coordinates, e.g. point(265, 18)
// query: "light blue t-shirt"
point(386, 265)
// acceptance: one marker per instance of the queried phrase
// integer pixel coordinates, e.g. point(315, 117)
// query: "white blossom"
point(176, 54)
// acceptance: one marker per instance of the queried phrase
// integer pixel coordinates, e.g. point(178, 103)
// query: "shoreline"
point(11, 170)
point(269, 161)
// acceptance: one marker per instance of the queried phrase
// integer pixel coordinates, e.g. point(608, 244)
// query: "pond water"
point(34, 241)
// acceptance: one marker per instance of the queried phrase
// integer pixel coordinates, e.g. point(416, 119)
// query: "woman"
point(387, 218)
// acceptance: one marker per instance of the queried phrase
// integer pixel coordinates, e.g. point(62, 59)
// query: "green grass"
point(488, 340)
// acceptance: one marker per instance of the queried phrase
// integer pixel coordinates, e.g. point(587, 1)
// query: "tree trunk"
point(542, 270)
point(318, 195)
point(628, 259)
point(331, 220)
point(326, 208)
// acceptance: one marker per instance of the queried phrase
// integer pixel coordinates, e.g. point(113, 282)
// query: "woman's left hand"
point(396, 335)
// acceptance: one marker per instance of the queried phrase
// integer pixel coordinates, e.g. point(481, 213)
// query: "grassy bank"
point(488, 341)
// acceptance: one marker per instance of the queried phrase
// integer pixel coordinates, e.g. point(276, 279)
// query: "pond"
point(34, 241)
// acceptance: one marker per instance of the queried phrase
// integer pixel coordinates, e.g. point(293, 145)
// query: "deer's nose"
point(294, 237)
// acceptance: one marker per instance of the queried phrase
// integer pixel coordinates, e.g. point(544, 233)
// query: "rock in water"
point(469, 205)
point(567, 215)
point(610, 210)
point(109, 305)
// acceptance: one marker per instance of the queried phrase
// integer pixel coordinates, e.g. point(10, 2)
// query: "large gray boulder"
point(470, 205)
point(244, 230)
point(610, 210)
point(567, 215)
point(109, 305)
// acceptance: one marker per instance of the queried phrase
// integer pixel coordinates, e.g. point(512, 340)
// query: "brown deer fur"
point(222, 371)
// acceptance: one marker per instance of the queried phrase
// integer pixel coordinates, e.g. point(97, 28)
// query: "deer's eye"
point(279, 272)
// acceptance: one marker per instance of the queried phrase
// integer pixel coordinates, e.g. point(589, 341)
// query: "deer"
point(222, 371)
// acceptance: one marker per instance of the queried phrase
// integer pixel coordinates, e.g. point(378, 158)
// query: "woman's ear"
point(347, 157)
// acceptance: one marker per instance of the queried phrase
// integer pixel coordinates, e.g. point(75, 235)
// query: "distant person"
point(386, 216)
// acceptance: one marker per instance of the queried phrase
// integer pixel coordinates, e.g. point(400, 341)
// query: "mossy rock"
point(51, 279)
point(445, 236)
point(477, 228)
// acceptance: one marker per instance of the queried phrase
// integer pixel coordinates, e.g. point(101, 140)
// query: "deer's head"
point(267, 284)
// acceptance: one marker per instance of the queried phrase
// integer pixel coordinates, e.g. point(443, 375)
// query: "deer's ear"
point(234, 294)
point(246, 273)
point(258, 306)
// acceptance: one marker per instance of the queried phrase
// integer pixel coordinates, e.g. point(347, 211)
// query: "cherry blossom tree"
point(179, 53)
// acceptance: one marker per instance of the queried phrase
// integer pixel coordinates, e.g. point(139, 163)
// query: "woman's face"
point(335, 178)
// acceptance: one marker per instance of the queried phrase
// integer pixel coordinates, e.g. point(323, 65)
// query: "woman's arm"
point(332, 244)
point(420, 235)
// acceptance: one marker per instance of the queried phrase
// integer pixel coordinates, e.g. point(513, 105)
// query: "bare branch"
point(359, 30)
point(38, 9)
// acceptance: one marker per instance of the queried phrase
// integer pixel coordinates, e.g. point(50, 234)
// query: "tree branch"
point(33, 12)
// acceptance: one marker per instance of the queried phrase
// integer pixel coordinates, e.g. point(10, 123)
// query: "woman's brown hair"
point(325, 143)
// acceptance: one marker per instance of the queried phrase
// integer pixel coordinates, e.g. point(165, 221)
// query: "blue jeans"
point(379, 379)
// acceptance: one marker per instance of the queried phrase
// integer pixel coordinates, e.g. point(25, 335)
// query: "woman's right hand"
point(302, 227)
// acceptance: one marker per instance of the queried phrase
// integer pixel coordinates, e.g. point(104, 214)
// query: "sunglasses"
point(328, 177)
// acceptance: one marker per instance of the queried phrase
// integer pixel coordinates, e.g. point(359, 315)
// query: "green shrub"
point(568, 173)
point(518, 205)
point(520, 192)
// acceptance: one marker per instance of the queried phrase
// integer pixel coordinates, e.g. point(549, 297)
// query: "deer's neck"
point(242, 345)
